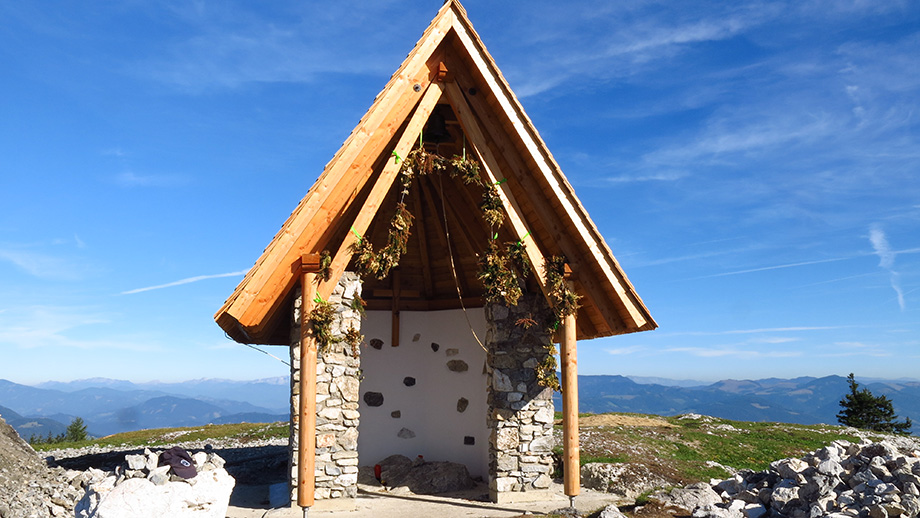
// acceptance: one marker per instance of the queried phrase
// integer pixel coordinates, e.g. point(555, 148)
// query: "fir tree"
point(862, 409)
point(76, 431)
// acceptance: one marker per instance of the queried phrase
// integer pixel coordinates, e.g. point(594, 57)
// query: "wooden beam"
point(306, 450)
point(381, 187)
point(494, 175)
point(635, 313)
point(439, 222)
point(539, 202)
point(422, 234)
point(569, 358)
point(262, 290)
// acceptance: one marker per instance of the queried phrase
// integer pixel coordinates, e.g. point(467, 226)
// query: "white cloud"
point(58, 327)
point(41, 265)
point(184, 281)
point(132, 179)
point(886, 261)
point(718, 352)
point(622, 351)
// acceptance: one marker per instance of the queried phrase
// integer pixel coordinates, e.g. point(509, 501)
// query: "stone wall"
point(520, 409)
point(338, 370)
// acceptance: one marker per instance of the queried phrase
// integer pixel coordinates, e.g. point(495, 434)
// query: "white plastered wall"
point(429, 408)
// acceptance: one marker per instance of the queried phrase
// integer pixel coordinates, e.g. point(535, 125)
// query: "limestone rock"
point(626, 481)
point(425, 478)
point(139, 498)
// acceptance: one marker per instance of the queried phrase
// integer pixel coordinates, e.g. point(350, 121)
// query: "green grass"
point(244, 432)
point(690, 446)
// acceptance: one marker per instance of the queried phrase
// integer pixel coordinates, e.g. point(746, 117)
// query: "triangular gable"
point(448, 64)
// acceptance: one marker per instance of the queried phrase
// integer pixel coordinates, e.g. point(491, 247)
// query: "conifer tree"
point(76, 431)
point(862, 409)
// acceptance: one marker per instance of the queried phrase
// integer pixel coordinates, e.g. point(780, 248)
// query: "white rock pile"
point(842, 480)
point(140, 488)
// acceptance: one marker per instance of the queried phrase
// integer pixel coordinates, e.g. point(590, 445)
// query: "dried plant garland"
point(500, 282)
point(325, 265)
point(546, 370)
point(354, 339)
point(467, 170)
point(321, 318)
point(491, 205)
point(517, 254)
point(563, 300)
point(418, 162)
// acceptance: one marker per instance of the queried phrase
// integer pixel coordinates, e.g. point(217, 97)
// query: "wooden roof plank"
point(381, 187)
point(527, 133)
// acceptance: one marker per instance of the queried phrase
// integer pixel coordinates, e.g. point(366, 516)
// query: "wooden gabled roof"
point(450, 74)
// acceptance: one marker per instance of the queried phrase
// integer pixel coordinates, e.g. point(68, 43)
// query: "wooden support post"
point(569, 358)
point(306, 451)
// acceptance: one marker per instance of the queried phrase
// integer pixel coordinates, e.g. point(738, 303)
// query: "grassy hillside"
point(681, 449)
point(242, 432)
point(694, 448)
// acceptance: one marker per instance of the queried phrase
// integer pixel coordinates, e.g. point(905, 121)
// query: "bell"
point(436, 130)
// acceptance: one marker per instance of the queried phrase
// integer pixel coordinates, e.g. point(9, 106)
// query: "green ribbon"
point(398, 158)
point(523, 238)
point(318, 299)
point(503, 180)
point(355, 232)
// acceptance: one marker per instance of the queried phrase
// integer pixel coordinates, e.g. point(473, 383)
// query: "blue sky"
point(755, 167)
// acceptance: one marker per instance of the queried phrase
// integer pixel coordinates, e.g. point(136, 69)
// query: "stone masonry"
point(337, 379)
point(520, 409)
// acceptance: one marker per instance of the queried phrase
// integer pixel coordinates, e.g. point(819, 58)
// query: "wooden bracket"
point(309, 263)
point(441, 74)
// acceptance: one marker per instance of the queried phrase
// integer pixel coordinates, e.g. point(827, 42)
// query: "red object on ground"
point(377, 470)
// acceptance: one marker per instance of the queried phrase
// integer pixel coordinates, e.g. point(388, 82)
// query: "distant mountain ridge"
point(112, 406)
point(805, 400)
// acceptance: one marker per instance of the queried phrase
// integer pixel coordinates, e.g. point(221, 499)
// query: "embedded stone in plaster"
point(452, 352)
point(373, 398)
point(396, 414)
point(416, 337)
point(376, 343)
point(469, 440)
point(458, 366)
point(408, 381)
point(435, 346)
point(405, 433)
point(462, 403)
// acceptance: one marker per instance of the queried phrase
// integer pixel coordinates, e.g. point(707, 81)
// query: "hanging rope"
point(267, 353)
point(453, 267)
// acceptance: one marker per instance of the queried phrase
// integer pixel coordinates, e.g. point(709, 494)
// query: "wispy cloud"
point(775, 267)
point(132, 179)
point(718, 352)
point(57, 327)
point(757, 330)
point(42, 265)
point(188, 280)
point(622, 351)
point(886, 261)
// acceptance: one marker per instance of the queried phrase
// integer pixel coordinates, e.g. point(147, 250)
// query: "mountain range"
point(805, 400)
point(111, 406)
